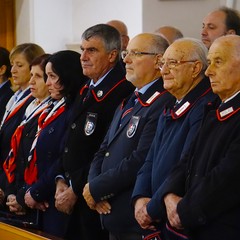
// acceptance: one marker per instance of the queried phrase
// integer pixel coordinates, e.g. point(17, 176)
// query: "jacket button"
point(66, 149)
point(73, 126)
point(107, 154)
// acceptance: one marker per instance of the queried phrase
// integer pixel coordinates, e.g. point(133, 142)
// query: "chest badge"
point(90, 123)
point(99, 93)
point(132, 126)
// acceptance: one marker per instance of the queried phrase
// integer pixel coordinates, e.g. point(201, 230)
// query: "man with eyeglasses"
point(91, 116)
point(113, 171)
point(223, 21)
point(182, 67)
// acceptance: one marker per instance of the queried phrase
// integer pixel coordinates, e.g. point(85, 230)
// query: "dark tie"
point(89, 92)
point(129, 106)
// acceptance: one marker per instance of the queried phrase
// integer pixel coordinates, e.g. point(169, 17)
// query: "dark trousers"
point(125, 236)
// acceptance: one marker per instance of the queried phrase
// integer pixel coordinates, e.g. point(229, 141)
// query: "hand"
point(103, 207)
point(14, 206)
point(31, 203)
point(61, 186)
point(65, 200)
point(88, 197)
point(171, 201)
point(141, 214)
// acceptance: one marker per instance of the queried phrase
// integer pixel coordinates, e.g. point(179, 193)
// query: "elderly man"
point(202, 193)
point(122, 153)
point(183, 66)
point(90, 120)
point(218, 23)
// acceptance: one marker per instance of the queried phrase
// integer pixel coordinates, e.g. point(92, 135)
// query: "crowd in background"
point(129, 139)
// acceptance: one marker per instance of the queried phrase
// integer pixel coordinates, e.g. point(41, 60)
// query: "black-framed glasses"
point(172, 63)
point(135, 53)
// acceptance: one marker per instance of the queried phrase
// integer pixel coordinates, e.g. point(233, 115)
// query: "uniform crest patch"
point(132, 126)
point(90, 123)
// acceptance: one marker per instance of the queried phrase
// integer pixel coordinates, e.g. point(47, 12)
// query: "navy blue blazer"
point(113, 172)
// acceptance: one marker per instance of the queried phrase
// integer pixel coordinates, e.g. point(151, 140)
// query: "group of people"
point(131, 139)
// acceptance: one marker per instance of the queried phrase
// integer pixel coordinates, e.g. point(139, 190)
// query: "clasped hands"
point(171, 201)
point(141, 214)
point(31, 203)
point(65, 198)
point(102, 207)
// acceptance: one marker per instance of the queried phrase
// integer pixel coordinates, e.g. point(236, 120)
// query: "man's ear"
point(158, 60)
point(3, 69)
point(231, 32)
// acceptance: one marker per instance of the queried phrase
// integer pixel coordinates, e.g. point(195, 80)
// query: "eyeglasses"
point(172, 63)
point(135, 53)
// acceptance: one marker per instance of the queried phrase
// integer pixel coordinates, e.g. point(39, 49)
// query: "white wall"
point(45, 22)
point(55, 23)
point(87, 13)
point(185, 15)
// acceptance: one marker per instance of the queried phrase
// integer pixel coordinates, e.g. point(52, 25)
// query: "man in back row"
point(220, 22)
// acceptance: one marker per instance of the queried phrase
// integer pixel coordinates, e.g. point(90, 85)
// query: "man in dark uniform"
point(202, 194)
point(91, 117)
point(183, 66)
point(122, 153)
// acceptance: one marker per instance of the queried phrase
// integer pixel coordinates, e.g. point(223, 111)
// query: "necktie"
point(89, 92)
point(129, 106)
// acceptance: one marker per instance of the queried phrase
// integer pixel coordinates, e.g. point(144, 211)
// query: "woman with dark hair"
point(64, 80)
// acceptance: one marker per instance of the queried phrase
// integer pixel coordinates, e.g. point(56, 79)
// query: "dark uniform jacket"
point(122, 153)
point(5, 94)
point(90, 121)
point(208, 179)
point(177, 128)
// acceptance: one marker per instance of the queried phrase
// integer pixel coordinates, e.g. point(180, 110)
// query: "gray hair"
point(198, 51)
point(159, 44)
point(108, 34)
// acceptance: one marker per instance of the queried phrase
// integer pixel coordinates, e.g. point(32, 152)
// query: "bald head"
point(170, 33)
point(122, 29)
point(223, 69)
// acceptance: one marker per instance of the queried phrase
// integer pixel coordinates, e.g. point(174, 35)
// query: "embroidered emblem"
point(99, 93)
point(90, 124)
point(151, 99)
point(132, 126)
point(182, 108)
point(226, 112)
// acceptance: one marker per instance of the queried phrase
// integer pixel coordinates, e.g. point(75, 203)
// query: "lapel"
point(190, 99)
point(101, 92)
point(145, 100)
point(228, 109)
